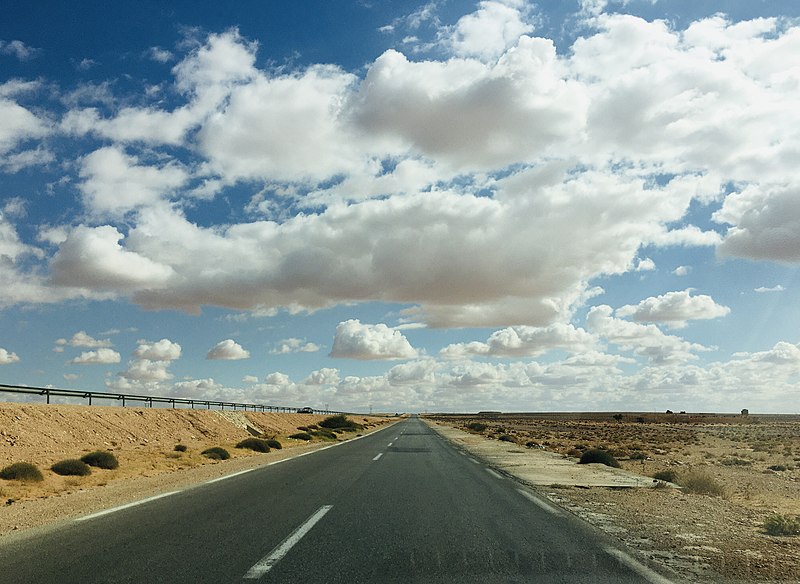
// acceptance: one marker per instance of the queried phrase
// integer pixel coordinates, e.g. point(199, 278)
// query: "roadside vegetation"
point(600, 456)
point(216, 453)
point(666, 476)
point(254, 444)
point(340, 422)
point(302, 436)
point(476, 427)
point(22, 471)
point(71, 467)
point(701, 483)
point(180, 448)
point(782, 525)
point(101, 459)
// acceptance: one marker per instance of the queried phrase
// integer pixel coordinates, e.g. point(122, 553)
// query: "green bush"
point(782, 525)
point(601, 456)
point(101, 459)
point(272, 443)
point(777, 467)
point(702, 484)
point(323, 434)
point(638, 456)
point(668, 476)
point(21, 471)
point(303, 428)
point(301, 436)
point(476, 426)
point(71, 467)
point(180, 448)
point(339, 422)
point(216, 453)
point(255, 444)
point(506, 438)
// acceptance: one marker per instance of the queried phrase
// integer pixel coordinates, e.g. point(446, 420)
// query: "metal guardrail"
point(150, 399)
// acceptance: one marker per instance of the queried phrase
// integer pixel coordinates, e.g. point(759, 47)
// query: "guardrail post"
point(123, 401)
point(89, 395)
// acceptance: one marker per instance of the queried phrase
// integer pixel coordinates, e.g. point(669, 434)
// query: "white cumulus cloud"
point(98, 357)
point(81, 339)
point(674, 309)
point(293, 345)
point(525, 341)
point(7, 357)
point(643, 340)
point(324, 376)
point(228, 350)
point(354, 340)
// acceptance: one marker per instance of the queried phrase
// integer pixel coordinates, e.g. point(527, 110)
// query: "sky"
point(404, 206)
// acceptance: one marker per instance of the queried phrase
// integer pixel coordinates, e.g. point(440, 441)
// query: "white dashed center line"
point(265, 564)
point(379, 455)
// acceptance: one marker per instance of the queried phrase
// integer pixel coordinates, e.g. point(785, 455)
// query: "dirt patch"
point(703, 538)
point(142, 439)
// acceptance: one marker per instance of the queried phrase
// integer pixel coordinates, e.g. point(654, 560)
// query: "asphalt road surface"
point(398, 505)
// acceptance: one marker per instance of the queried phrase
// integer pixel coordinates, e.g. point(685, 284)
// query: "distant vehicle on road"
point(305, 410)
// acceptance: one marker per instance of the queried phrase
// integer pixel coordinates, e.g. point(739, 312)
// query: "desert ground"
point(143, 440)
point(749, 466)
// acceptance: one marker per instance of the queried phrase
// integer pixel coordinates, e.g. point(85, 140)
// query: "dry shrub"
point(701, 483)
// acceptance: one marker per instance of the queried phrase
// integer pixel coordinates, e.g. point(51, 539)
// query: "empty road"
point(398, 505)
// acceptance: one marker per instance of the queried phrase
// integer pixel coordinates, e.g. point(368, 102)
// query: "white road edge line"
point(379, 455)
point(539, 502)
point(126, 506)
point(637, 567)
point(473, 460)
point(494, 474)
point(390, 443)
point(265, 564)
point(235, 474)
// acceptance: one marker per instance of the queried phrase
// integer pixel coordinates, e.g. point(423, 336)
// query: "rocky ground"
point(753, 460)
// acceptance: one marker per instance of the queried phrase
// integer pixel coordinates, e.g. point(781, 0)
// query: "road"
point(399, 505)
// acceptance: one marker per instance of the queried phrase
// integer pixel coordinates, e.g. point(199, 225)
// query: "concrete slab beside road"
point(539, 467)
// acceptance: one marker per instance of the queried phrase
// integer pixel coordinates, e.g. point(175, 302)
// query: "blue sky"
point(445, 206)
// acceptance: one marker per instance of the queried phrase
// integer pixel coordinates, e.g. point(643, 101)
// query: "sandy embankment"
point(143, 440)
